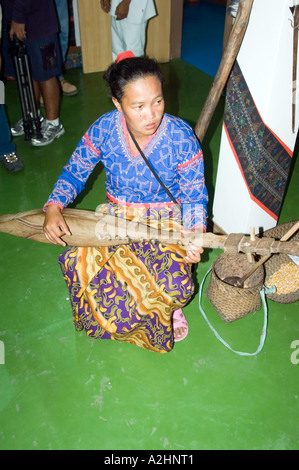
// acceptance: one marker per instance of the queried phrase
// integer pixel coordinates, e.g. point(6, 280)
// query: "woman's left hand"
point(193, 254)
point(194, 250)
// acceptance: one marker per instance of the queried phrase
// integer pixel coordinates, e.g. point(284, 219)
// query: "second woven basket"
point(276, 261)
point(232, 302)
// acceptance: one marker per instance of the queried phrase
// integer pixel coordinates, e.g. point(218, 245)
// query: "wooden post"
point(228, 59)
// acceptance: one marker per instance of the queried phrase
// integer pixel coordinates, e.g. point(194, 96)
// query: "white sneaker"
point(49, 134)
point(18, 128)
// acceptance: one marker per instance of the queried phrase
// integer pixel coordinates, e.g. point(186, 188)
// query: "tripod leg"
point(31, 99)
point(25, 106)
point(31, 121)
point(28, 122)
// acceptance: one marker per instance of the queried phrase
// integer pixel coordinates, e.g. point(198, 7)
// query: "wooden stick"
point(226, 64)
point(241, 281)
point(250, 256)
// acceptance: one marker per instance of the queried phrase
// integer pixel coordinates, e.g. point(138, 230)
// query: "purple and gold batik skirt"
point(129, 292)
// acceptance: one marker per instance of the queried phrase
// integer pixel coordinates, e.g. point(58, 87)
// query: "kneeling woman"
point(134, 293)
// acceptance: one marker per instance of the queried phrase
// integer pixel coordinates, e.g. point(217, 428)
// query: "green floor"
point(61, 390)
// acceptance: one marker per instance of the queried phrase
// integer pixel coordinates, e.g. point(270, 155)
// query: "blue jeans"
point(6, 145)
point(63, 17)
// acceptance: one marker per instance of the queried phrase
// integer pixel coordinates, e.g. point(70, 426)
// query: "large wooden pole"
point(101, 229)
point(229, 56)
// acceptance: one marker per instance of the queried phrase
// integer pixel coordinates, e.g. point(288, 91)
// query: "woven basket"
point(274, 263)
point(231, 302)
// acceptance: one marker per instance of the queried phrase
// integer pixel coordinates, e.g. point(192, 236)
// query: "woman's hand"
point(193, 254)
point(194, 250)
point(55, 226)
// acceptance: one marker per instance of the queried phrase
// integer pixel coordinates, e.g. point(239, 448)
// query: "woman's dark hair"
point(122, 73)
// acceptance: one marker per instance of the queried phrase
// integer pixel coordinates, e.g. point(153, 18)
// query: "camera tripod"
point(31, 120)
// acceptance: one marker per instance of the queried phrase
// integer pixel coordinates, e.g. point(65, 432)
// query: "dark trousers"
point(6, 145)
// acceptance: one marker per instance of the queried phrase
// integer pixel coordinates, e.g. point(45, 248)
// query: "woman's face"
point(142, 105)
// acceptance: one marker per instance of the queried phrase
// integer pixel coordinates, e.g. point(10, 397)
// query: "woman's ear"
point(117, 104)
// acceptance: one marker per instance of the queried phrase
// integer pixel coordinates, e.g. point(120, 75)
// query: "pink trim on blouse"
point(53, 204)
point(138, 204)
point(182, 165)
point(90, 144)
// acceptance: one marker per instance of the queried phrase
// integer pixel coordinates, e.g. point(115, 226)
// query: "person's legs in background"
point(116, 34)
point(134, 37)
point(7, 148)
point(127, 37)
point(67, 88)
point(45, 61)
point(46, 84)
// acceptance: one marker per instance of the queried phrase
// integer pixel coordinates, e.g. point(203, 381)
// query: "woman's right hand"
point(55, 226)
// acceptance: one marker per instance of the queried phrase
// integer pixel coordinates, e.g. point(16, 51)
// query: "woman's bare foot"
point(180, 325)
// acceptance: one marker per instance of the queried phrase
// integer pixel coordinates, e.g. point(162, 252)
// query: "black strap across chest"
point(152, 169)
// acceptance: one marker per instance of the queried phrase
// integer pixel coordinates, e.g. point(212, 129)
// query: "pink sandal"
point(179, 321)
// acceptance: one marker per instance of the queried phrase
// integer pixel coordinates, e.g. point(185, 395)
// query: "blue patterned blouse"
point(173, 151)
